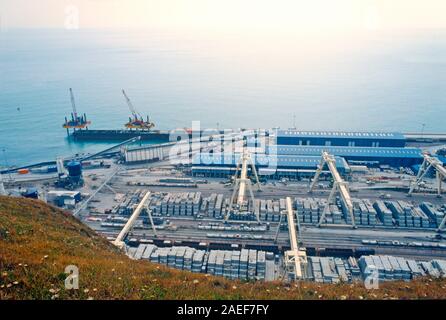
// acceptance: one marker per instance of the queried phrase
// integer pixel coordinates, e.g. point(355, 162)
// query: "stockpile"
point(392, 268)
point(270, 210)
point(328, 270)
point(244, 264)
point(364, 212)
point(435, 215)
point(384, 214)
point(175, 204)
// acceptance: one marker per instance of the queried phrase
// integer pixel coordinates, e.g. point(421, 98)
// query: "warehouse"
point(370, 156)
point(343, 139)
point(268, 166)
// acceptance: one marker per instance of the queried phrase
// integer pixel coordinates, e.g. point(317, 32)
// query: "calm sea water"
point(379, 81)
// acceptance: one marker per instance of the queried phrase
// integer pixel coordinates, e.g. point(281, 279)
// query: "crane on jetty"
point(136, 121)
point(76, 122)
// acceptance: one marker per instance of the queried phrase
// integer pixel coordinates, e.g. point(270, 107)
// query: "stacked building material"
point(197, 261)
point(341, 270)
point(384, 214)
point(389, 267)
point(179, 257)
point(434, 215)
point(148, 252)
point(235, 264)
point(171, 257)
point(324, 269)
point(243, 271)
point(397, 212)
point(227, 264)
point(252, 264)
point(370, 212)
point(219, 263)
point(139, 251)
point(336, 214)
point(415, 269)
point(419, 215)
point(218, 207)
point(430, 269)
point(188, 259)
point(212, 259)
point(261, 265)
point(211, 204)
point(440, 265)
point(353, 266)
point(316, 269)
point(299, 206)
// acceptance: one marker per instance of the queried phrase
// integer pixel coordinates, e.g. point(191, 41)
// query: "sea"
point(380, 80)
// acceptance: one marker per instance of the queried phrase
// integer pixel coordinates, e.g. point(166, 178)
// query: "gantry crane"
point(339, 185)
point(119, 241)
point(136, 121)
point(76, 122)
point(242, 183)
point(428, 163)
point(295, 259)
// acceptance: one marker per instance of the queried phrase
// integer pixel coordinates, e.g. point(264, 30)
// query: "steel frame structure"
point(295, 259)
point(243, 183)
point(428, 163)
point(119, 241)
point(339, 185)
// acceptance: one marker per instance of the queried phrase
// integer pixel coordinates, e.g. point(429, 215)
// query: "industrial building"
point(340, 138)
point(271, 166)
point(370, 156)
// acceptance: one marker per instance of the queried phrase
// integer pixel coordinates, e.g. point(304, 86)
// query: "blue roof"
point(265, 160)
point(341, 134)
point(346, 151)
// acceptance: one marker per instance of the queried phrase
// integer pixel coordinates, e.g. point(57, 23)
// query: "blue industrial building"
point(270, 166)
point(370, 156)
point(339, 138)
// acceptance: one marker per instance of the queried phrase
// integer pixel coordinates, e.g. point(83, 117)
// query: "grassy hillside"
point(37, 242)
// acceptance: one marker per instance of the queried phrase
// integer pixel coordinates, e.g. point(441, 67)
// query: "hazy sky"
point(282, 14)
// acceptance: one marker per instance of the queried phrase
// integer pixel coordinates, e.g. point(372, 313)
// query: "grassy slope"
point(38, 241)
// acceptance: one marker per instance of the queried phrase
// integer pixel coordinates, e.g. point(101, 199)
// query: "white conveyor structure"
point(119, 241)
point(295, 259)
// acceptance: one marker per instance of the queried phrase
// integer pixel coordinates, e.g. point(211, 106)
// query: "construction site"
point(257, 204)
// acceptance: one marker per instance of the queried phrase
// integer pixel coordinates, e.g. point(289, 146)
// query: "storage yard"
point(225, 212)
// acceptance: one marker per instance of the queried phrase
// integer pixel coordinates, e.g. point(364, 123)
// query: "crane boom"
point(338, 185)
point(295, 259)
point(73, 104)
point(119, 240)
point(130, 104)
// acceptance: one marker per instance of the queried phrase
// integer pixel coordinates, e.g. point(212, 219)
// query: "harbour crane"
point(239, 201)
point(429, 162)
point(339, 185)
point(119, 241)
point(76, 122)
point(295, 259)
point(136, 121)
